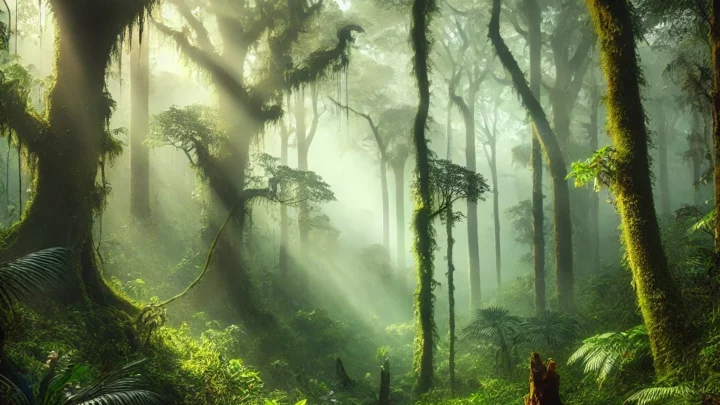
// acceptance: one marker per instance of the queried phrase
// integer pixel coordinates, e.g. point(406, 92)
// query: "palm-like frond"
point(32, 275)
point(549, 329)
point(680, 394)
point(603, 354)
point(119, 387)
point(706, 223)
point(11, 392)
point(491, 323)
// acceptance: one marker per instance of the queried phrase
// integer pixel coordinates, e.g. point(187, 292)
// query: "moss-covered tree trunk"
point(561, 194)
point(424, 243)
point(534, 18)
point(660, 301)
point(139, 124)
point(302, 164)
point(715, 45)
point(451, 296)
point(69, 147)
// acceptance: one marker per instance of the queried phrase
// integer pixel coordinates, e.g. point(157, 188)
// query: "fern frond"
point(32, 275)
point(680, 394)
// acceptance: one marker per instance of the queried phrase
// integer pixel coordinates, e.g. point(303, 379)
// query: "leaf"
point(32, 275)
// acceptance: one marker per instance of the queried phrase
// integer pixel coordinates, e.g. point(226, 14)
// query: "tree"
point(247, 106)
point(715, 45)
point(70, 144)
point(139, 123)
point(450, 183)
point(561, 195)
point(660, 301)
point(424, 245)
point(475, 74)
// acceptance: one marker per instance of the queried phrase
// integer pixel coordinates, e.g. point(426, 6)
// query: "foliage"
point(289, 186)
point(194, 129)
point(550, 329)
point(599, 168)
point(608, 353)
point(32, 276)
point(451, 182)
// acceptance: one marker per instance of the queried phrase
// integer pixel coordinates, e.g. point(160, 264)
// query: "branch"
point(316, 116)
point(28, 126)
point(203, 38)
point(373, 127)
point(518, 28)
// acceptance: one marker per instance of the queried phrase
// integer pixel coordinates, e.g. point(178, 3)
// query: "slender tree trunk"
point(659, 300)
point(399, 171)
point(283, 262)
point(594, 209)
point(534, 18)
point(385, 204)
point(496, 213)
point(472, 216)
point(424, 244)
point(451, 295)
point(302, 149)
point(715, 43)
point(139, 124)
point(561, 194)
point(662, 128)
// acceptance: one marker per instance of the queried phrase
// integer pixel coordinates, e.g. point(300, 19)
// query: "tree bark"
point(283, 262)
point(561, 194)
point(496, 211)
point(66, 197)
point(534, 18)
point(594, 208)
point(424, 244)
point(302, 150)
point(660, 301)
point(385, 203)
point(139, 124)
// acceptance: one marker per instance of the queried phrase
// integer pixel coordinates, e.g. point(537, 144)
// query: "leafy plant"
point(604, 354)
point(497, 326)
point(549, 328)
point(32, 275)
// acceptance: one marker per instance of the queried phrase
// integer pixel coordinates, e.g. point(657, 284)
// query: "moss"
point(659, 299)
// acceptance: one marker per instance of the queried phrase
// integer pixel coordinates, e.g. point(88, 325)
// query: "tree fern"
point(32, 275)
point(549, 329)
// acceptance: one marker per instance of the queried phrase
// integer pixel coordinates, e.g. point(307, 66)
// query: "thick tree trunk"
point(399, 171)
point(139, 124)
point(558, 171)
point(715, 43)
point(663, 177)
point(66, 197)
point(534, 18)
point(424, 244)
point(660, 301)
point(451, 295)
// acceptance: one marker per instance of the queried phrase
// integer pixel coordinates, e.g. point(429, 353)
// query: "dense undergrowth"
point(602, 349)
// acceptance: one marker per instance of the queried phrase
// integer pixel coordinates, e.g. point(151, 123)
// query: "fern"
point(32, 275)
point(680, 394)
point(604, 354)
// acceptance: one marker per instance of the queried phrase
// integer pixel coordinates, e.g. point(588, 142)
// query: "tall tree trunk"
point(139, 124)
point(61, 212)
point(558, 172)
point(660, 301)
point(472, 216)
point(496, 211)
point(594, 209)
point(385, 204)
point(302, 150)
point(283, 262)
point(662, 127)
point(534, 17)
point(715, 43)
point(399, 171)
point(424, 243)
point(451, 295)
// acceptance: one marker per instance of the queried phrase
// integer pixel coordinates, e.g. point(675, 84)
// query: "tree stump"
point(544, 383)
